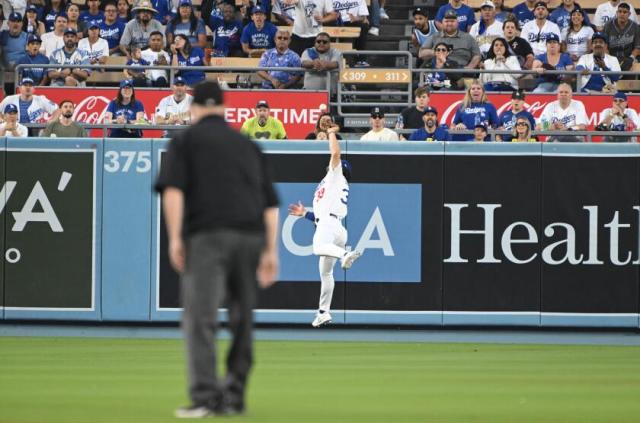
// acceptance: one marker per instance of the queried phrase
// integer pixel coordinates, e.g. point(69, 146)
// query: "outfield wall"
point(452, 233)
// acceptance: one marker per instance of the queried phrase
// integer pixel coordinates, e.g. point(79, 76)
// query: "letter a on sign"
point(27, 214)
point(383, 243)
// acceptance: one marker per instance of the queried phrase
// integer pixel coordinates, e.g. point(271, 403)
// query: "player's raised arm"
point(334, 146)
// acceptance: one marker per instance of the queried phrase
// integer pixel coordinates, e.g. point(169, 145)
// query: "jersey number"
point(320, 193)
point(345, 196)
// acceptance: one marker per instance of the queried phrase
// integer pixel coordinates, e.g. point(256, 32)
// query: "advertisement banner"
point(299, 113)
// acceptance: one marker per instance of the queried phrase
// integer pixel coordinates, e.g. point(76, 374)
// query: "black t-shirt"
point(412, 118)
point(521, 48)
point(223, 174)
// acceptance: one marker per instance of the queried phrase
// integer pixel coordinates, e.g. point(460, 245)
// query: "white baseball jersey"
point(616, 121)
point(280, 8)
point(346, 7)
point(385, 134)
point(587, 62)
point(23, 132)
point(492, 32)
point(537, 37)
point(95, 51)
point(606, 12)
point(152, 57)
point(574, 114)
point(577, 41)
point(331, 195)
point(304, 25)
point(168, 105)
point(36, 110)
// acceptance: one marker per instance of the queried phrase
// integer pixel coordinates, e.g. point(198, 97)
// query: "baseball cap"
point(620, 95)
point(377, 112)
point(10, 108)
point(15, 17)
point(419, 11)
point(185, 3)
point(430, 109)
point(258, 9)
point(345, 165)
point(480, 125)
point(600, 35)
point(93, 24)
point(26, 81)
point(518, 95)
point(487, 3)
point(553, 37)
point(126, 83)
point(208, 93)
point(262, 103)
point(70, 31)
point(33, 38)
point(541, 4)
point(178, 80)
point(31, 8)
point(450, 14)
point(624, 6)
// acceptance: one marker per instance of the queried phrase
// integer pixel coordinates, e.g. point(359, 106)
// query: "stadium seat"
point(334, 31)
point(108, 77)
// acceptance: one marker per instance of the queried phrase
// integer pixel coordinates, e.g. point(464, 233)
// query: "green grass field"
point(79, 380)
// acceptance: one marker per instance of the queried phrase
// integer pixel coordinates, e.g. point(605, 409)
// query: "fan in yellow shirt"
point(263, 126)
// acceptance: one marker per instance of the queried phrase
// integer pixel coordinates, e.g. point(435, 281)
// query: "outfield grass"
point(76, 380)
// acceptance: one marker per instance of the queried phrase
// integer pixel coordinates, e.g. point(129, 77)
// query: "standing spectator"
point(259, 35)
point(183, 54)
point(518, 45)
point(552, 60)
point(464, 15)
point(322, 59)
point(474, 110)
point(310, 16)
point(325, 121)
point(13, 41)
point(188, 24)
point(34, 57)
point(11, 127)
point(413, 117)
point(31, 107)
point(124, 11)
point(263, 125)
point(354, 14)
point(281, 57)
point(175, 109)
point(112, 29)
point(562, 15)
point(507, 120)
point(165, 13)
point(64, 126)
point(537, 32)
point(93, 13)
point(52, 9)
point(423, 27)
point(283, 12)
point(73, 19)
point(522, 131)
point(136, 32)
point(219, 247)
point(226, 33)
point(125, 109)
point(524, 12)
point(136, 72)
point(606, 12)
point(624, 37)
point(619, 117)
point(576, 38)
point(430, 131)
point(500, 58)
point(31, 24)
point(502, 13)
point(155, 55)
point(96, 47)
point(564, 114)
point(69, 55)
point(487, 28)
point(378, 131)
point(438, 80)
point(599, 60)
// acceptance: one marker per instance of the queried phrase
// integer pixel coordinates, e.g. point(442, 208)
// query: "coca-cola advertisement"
point(298, 113)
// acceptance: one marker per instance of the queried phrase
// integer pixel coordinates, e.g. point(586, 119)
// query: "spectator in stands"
point(31, 24)
point(606, 12)
point(507, 120)
point(378, 131)
point(475, 109)
point(524, 12)
point(480, 133)
point(562, 15)
point(183, 54)
point(325, 121)
point(69, 55)
point(155, 55)
point(599, 60)
point(34, 57)
point(502, 13)
point(309, 18)
point(321, 60)
point(187, 23)
point(259, 35)
point(354, 13)
point(73, 19)
point(564, 114)
point(438, 80)
point(263, 125)
point(227, 33)
point(64, 126)
point(13, 41)
point(423, 27)
point(31, 107)
point(518, 45)
point(624, 37)
point(165, 13)
point(124, 11)
point(175, 109)
point(284, 13)
point(464, 49)
point(576, 38)
point(52, 9)
point(552, 60)
point(412, 117)
point(430, 131)
point(464, 15)
point(537, 31)
point(111, 29)
point(499, 57)
point(125, 109)
point(96, 47)
point(619, 117)
point(522, 131)
point(136, 32)
point(280, 56)
point(93, 13)
point(487, 28)
point(11, 127)
point(137, 71)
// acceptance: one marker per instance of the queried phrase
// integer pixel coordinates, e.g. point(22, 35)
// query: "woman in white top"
point(576, 38)
point(500, 58)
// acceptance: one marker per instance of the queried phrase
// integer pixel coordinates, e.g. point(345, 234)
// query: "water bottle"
point(400, 122)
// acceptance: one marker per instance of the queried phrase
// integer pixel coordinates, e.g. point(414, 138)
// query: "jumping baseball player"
point(329, 208)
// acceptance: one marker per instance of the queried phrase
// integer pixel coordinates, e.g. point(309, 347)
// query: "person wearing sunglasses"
point(522, 131)
point(280, 57)
point(321, 59)
point(438, 80)
point(619, 117)
point(378, 131)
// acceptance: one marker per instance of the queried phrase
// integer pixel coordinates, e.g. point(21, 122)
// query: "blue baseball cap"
point(70, 31)
point(32, 8)
point(258, 9)
point(185, 3)
point(93, 24)
point(620, 95)
point(10, 108)
point(600, 36)
point(430, 109)
point(26, 81)
point(126, 83)
point(178, 80)
point(346, 166)
point(15, 17)
point(33, 38)
point(551, 37)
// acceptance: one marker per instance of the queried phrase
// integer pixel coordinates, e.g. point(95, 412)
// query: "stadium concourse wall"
point(452, 233)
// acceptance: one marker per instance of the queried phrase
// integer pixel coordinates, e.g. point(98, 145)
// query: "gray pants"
point(220, 264)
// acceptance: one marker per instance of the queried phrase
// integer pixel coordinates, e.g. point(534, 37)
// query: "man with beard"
point(69, 55)
point(519, 45)
point(263, 126)
point(538, 30)
point(13, 40)
point(464, 48)
point(599, 60)
point(606, 12)
point(137, 31)
point(176, 108)
point(431, 131)
point(227, 31)
point(322, 59)
point(624, 37)
point(65, 126)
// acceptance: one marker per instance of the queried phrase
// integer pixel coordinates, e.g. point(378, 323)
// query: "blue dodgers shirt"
point(184, 28)
point(196, 58)
point(508, 119)
point(562, 18)
point(164, 11)
point(112, 33)
point(440, 134)
point(264, 38)
point(289, 59)
point(466, 17)
point(34, 73)
point(13, 46)
point(88, 17)
point(565, 60)
point(475, 114)
point(130, 112)
point(523, 13)
point(227, 36)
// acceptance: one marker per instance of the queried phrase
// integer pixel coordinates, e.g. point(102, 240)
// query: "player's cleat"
point(194, 412)
point(321, 320)
point(347, 260)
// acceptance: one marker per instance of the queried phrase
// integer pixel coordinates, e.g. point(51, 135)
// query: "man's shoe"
point(321, 320)
point(347, 260)
point(383, 14)
point(374, 31)
point(194, 412)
